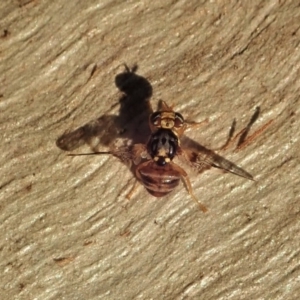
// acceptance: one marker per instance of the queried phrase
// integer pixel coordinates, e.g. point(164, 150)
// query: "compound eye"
point(179, 120)
point(155, 119)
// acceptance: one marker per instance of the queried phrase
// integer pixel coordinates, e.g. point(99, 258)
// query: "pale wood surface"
point(66, 228)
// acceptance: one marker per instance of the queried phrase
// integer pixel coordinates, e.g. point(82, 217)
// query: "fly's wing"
point(204, 159)
point(129, 154)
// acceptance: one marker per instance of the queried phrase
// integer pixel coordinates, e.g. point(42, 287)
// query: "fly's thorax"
point(162, 146)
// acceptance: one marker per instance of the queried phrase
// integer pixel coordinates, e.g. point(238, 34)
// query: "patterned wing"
point(204, 159)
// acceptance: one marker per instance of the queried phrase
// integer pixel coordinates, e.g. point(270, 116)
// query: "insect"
point(156, 164)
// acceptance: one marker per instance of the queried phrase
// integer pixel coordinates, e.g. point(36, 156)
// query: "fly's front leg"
point(195, 125)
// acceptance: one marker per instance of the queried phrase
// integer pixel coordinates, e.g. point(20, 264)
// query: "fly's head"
point(166, 118)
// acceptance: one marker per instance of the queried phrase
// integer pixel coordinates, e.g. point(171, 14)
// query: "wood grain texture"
point(66, 229)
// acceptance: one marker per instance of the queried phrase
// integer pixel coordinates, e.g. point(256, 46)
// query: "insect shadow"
point(253, 119)
point(241, 136)
point(130, 123)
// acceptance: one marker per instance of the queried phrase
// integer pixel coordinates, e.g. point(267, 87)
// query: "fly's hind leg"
point(138, 153)
point(191, 192)
point(188, 186)
point(132, 190)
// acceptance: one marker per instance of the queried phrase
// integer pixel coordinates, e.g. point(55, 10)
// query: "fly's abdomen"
point(158, 180)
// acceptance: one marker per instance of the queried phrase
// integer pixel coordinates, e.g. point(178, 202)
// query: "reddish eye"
point(178, 120)
point(155, 118)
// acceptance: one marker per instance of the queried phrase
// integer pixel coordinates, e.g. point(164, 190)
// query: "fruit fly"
point(153, 163)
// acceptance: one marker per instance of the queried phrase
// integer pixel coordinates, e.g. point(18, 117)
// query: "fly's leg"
point(253, 136)
point(188, 186)
point(132, 190)
point(191, 192)
point(195, 125)
point(139, 152)
point(243, 139)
